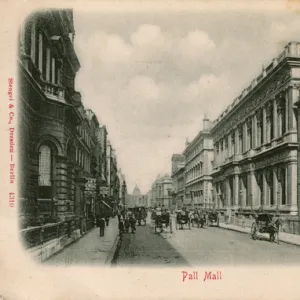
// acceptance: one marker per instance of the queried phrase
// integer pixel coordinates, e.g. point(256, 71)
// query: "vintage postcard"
point(150, 150)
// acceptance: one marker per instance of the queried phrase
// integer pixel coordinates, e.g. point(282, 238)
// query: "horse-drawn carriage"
point(140, 215)
point(198, 218)
point(264, 223)
point(183, 218)
point(213, 218)
point(160, 218)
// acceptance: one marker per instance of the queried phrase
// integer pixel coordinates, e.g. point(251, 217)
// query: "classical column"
point(61, 184)
point(48, 64)
point(275, 186)
point(254, 131)
point(275, 119)
point(292, 184)
point(236, 190)
point(236, 137)
point(33, 37)
point(229, 145)
point(40, 37)
point(228, 192)
point(244, 137)
point(264, 189)
point(291, 98)
point(53, 70)
point(264, 132)
point(253, 190)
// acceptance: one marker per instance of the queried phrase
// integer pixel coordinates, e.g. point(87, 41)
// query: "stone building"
point(55, 135)
point(198, 167)
point(255, 141)
point(178, 180)
point(162, 191)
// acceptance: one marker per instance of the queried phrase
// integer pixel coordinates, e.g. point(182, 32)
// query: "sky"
point(151, 77)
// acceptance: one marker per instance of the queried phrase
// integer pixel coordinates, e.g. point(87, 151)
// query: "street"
point(210, 245)
point(147, 248)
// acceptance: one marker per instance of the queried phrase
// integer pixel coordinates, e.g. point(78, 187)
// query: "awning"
point(106, 204)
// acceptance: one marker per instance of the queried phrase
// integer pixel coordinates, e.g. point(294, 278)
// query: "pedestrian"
point(102, 226)
point(107, 220)
point(121, 226)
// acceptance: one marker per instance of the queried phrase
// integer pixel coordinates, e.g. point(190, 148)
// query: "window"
point(44, 56)
point(45, 172)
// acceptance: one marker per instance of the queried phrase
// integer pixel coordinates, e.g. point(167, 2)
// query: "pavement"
point(91, 248)
point(283, 236)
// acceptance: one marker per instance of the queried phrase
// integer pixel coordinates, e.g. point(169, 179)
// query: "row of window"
point(37, 45)
point(245, 192)
point(256, 131)
point(196, 150)
point(194, 172)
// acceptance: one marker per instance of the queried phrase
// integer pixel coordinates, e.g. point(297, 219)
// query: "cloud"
point(152, 85)
point(196, 45)
point(142, 89)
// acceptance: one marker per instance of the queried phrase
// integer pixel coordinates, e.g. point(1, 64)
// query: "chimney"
point(206, 123)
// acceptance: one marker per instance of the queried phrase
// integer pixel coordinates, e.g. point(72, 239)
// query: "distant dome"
point(136, 191)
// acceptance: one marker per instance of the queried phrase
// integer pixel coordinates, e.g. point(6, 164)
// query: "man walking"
point(101, 226)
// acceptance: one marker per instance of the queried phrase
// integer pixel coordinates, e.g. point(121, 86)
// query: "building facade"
point(136, 198)
point(255, 141)
point(178, 180)
point(54, 133)
point(198, 181)
point(63, 161)
point(162, 191)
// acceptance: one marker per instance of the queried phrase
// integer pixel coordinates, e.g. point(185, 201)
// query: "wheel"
point(254, 231)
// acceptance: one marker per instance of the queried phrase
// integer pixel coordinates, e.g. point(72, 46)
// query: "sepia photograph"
point(159, 139)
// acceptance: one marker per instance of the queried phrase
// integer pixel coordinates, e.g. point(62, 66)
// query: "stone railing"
point(53, 91)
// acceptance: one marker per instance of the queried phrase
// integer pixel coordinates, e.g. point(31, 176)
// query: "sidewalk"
point(91, 248)
point(283, 237)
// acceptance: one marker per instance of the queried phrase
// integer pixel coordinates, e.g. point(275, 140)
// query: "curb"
point(113, 253)
point(283, 241)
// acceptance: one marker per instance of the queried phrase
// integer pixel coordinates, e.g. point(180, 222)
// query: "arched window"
point(45, 172)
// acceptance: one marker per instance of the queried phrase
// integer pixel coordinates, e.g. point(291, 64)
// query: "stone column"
point(275, 186)
point(53, 70)
point(264, 132)
point(228, 192)
point(275, 119)
point(291, 99)
point(254, 131)
point(48, 64)
point(40, 37)
point(253, 190)
point(33, 37)
point(229, 145)
point(292, 185)
point(236, 137)
point(236, 190)
point(264, 189)
point(244, 137)
point(61, 185)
